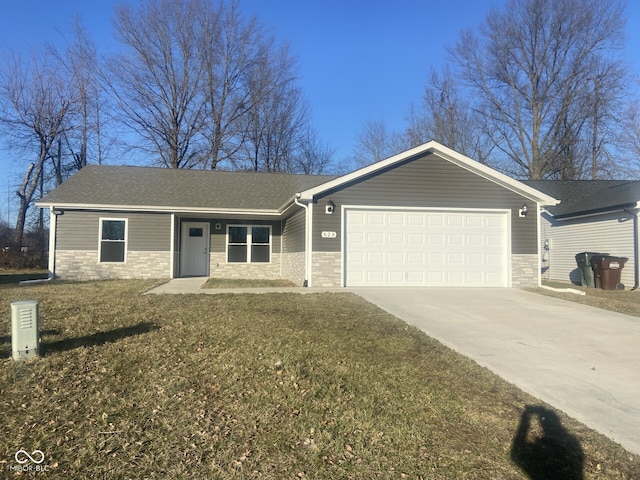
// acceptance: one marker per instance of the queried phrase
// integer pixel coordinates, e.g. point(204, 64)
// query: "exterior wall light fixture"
point(330, 208)
point(523, 211)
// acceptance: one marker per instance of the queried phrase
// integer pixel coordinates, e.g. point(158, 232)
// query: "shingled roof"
point(165, 189)
point(583, 197)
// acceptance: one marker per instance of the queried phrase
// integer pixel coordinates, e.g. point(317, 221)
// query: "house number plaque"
point(329, 235)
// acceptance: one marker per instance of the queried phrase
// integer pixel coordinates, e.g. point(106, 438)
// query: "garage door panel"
point(375, 259)
point(433, 240)
point(454, 220)
point(355, 238)
point(397, 258)
point(455, 259)
point(474, 222)
point(423, 248)
point(455, 240)
point(396, 219)
point(375, 238)
point(474, 258)
point(375, 219)
point(494, 241)
point(415, 219)
point(396, 239)
point(415, 258)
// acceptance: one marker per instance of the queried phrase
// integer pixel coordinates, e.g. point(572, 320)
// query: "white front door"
point(426, 248)
point(194, 252)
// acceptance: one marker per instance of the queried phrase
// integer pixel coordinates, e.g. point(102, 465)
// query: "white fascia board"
point(156, 209)
point(448, 154)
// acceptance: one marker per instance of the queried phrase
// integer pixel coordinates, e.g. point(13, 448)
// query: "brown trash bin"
point(607, 271)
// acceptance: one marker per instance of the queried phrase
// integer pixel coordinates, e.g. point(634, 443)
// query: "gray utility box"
point(25, 329)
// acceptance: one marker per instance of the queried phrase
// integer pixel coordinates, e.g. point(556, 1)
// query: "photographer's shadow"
point(544, 449)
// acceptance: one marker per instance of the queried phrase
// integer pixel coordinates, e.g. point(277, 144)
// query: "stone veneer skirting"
point(293, 267)
point(524, 270)
point(84, 265)
point(218, 267)
point(326, 269)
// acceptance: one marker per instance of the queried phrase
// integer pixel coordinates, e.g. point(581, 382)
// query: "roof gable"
point(444, 153)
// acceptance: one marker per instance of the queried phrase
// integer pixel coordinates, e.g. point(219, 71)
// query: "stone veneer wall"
point(293, 267)
point(326, 269)
point(84, 265)
point(218, 267)
point(524, 270)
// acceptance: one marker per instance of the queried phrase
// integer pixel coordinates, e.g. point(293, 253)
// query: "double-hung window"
point(248, 244)
point(113, 240)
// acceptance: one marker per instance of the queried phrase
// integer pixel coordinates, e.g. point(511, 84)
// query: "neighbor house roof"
point(586, 197)
point(163, 189)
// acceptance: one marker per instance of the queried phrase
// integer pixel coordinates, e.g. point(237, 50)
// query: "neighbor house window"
point(113, 240)
point(248, 244)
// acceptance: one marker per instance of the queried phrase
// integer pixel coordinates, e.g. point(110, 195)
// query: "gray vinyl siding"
point(611, 233)
point(427, 181)
point(293, 232)
point(147, 232)
point(219, 235)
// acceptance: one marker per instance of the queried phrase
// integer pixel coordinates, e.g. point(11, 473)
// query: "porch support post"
point(172, 247)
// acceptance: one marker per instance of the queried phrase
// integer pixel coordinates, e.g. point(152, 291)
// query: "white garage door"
point(426, 248)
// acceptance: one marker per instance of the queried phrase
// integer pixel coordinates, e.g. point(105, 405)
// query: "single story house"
point(599, 216)
point(425, 217)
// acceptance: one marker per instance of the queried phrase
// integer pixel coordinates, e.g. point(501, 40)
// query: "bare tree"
point(36, 101)
point(203, 86)
point(87, 138)
point(157, 81)
point(233, 52)
point(530, 68)
point(449, 118)
point(276, 121)
point(375, 142)
point(312, 157)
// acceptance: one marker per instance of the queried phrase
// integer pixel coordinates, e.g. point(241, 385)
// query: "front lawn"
point(622, 301)
point(247, 283)
point(273, 386)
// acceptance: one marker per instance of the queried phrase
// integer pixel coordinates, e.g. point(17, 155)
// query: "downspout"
point(307, 241)
point(636, 248)
point(172, 247)
point(53, 223)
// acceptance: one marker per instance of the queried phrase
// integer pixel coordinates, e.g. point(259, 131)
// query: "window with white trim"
point(113, 240)
point(248, 244)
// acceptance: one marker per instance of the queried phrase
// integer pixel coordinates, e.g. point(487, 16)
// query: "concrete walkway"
point(193, 285)
point(582, 360)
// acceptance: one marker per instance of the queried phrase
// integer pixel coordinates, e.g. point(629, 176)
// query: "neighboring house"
point(426, 217)
point(599, 216)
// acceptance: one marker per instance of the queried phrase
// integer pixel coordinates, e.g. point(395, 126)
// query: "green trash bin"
point(583, 260)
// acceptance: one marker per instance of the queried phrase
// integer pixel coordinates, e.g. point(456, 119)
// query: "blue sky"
point(359, 60)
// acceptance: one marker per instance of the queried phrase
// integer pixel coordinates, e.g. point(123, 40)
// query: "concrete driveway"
point(582, 360)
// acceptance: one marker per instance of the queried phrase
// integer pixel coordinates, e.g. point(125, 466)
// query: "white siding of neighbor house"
point(611, 233)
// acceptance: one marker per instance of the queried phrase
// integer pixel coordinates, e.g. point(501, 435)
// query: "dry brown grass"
point(623, 301)
point(271, 386)
point(247, 283)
